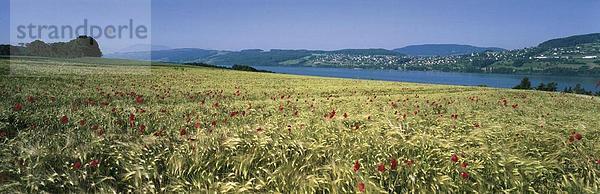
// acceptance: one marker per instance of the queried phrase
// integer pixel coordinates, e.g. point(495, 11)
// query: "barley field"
point(99, 127)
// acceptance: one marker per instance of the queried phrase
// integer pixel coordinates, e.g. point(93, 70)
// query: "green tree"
point(551, 87)
point(524, 85)
point(39, 48)
point(83, 46)
point(580, 90)
point(541, 87)
point(568, 90)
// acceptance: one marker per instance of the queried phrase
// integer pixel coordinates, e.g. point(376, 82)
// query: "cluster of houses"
point(433, 60)
point(355, 60)
point(582, 52)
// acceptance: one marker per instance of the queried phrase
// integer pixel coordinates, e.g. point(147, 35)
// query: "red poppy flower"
point(131, 120)
point(454, 158)
point(575, 136)
point(464, 175)
point(598, 162)
point(131, 117)
point(361, 187)
point(331, 114)
point(30, 99)
point(381, 167)
point(139, 99)
point(213, 123)
point(515, 106)
point(182, 132)
point(197, 125)
point(82, 122)
point(345, 115)
point(233, 114)
point(94, 163)
point(356, 166)
point(142, 128)
point(259, 129)
point(394, 164)
point(64, 119)
point(464, 165)
point(77, 165)
point(18, 107)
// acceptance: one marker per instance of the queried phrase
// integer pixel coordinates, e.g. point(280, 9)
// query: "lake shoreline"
point(437, 77)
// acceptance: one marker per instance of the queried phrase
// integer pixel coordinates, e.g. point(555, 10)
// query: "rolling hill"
point(571, 41)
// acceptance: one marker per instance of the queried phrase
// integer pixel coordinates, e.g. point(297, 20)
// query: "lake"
point(435, 77)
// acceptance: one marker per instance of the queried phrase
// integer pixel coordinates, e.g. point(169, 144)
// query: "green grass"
point(282, 139)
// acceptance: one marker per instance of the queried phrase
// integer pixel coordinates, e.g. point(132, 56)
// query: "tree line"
point(82, 46)
point(234, 67)
point(553, 87)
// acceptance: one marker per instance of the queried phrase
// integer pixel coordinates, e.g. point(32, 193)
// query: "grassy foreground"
point(68, 126)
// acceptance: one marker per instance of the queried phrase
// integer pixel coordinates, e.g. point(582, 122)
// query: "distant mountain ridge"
point(143, 47)
point(170, 55)
point(443, 49)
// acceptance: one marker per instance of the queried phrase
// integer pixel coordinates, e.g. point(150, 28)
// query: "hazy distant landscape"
point(575, 55)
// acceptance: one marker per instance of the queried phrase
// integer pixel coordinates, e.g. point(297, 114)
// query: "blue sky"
point(336, 24)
